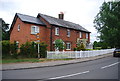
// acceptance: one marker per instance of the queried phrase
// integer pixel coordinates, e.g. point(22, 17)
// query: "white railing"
point(76, 54)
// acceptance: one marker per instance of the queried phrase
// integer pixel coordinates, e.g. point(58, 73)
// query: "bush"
point(9, 50)
point(28, 50)
point(75, 49)
point(59, 44)
point(5, 49)
point(13, 48)
point(81, 47)
point(43, 50)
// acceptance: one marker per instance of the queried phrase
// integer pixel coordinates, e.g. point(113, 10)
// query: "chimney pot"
point(61, 15)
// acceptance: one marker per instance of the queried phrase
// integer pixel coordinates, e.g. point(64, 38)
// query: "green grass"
point(30, 60)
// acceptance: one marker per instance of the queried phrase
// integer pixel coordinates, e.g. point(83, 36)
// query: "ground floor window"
point(68, 46)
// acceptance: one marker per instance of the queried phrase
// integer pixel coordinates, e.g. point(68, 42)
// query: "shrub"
point(81, 47)
point(75, 49)
point(9, 50)
point(59, 44)
point(43, 50)
point(28, 50)
point(5, 49)
point(13, 48)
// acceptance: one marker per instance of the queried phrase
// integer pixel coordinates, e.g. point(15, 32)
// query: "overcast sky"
point(78, 11)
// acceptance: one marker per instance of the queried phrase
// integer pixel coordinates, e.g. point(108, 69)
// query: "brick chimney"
point(61, 15)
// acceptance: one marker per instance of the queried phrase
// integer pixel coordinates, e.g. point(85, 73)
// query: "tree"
point(100, 45)
point(107, 23)
point(5, 31)
point(59, 44)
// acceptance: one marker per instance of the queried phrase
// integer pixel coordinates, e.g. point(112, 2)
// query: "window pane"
point(68, 33)
point(68, 46)
point(18, 27)
point(56, 31)
point(32, 30)
point(37, 29)
point(80, 34)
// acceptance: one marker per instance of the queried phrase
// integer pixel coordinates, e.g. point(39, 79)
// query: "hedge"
point(27, 50)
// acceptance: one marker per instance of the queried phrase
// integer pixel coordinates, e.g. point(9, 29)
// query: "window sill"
point(68, 36)
point(57, 34)
point(68, 49)
point(33, 33)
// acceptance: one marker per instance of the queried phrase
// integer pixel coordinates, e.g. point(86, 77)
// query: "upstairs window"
point(18, 28)
point(68, 33)
point(86, 35)
point(34, 29)
point(56, 31)
point(80, 34)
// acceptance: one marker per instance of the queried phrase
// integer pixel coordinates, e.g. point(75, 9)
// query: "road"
point(105, 68)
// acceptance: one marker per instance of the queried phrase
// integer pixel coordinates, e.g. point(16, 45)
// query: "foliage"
point(75, 49)
point(107, 22)
point(9, 50)
point(5, 35)
point(5, 32)
point(43, 50)
point(13, 48)
point(5, 48)
point(100, 45)
point(81, 47)
point(28, 50)
point(59, 44)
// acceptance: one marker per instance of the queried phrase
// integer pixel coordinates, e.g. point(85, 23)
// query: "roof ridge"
point(25, 15)
point(60, 22)
point(60, 19)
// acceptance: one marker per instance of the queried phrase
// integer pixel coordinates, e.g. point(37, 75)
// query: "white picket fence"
point(76, 54)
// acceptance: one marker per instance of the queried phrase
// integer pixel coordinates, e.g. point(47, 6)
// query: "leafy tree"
point(5, 30)
point(59, 44)
point(100, 44)
point(107, 22)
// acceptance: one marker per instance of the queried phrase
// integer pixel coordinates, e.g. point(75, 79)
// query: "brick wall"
point(74, 34)
point(24, 34)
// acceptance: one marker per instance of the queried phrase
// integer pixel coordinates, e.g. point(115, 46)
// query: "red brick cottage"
point(25, 28)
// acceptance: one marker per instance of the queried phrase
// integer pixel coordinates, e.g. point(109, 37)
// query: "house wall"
point(24, 34)
point(74, 34)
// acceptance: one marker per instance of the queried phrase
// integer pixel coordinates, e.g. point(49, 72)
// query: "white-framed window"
point(86, 35)
point(18, 27)
point(56, 31)
point(80, 34)
point(68, 46)
point(34, 29)
point(68, 33)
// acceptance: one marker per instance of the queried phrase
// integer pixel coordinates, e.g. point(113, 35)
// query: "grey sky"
point(78, 11)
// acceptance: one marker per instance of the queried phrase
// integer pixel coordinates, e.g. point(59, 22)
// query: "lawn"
point(30, 60)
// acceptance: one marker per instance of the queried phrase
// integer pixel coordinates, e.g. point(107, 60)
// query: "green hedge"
point(43, 50)
point(27, 50)
point(5, 49)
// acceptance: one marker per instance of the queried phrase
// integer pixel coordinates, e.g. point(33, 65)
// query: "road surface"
point(104, 68)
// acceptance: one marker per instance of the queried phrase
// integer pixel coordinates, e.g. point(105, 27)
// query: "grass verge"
point(30, 60)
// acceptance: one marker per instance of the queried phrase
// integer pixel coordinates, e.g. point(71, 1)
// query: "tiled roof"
point(62, 23)
point(30, 19)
